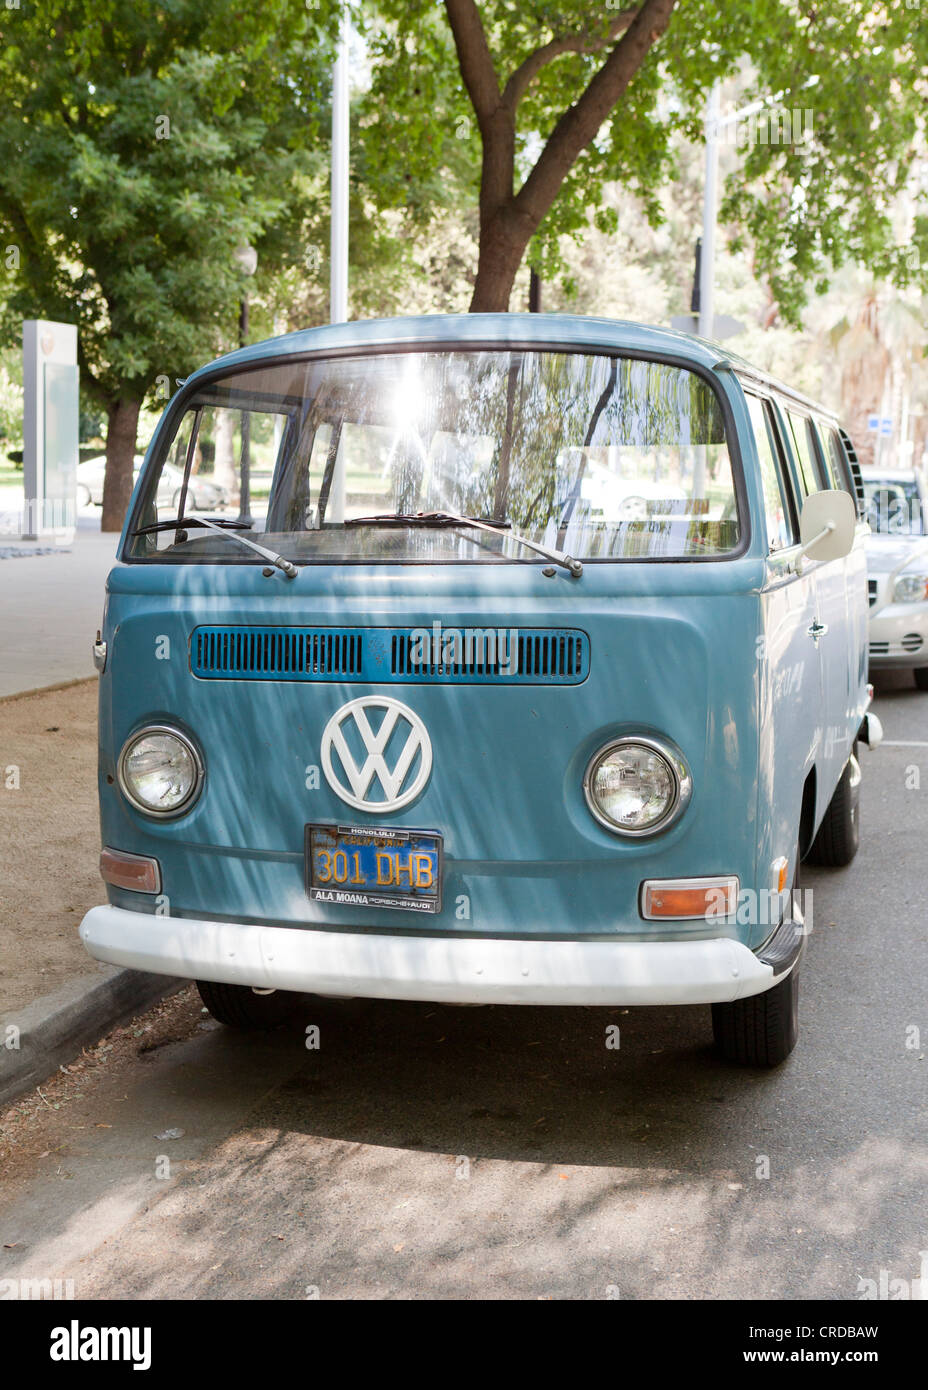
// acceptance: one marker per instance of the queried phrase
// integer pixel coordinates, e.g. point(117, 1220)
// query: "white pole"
point(339, 235)
point(709, 215)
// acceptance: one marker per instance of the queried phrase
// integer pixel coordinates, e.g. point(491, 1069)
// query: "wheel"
point(760, 1031)
point(237, 1006)
point(921, 677)
point(84, 499)
point(175, 500)
point(838, 838)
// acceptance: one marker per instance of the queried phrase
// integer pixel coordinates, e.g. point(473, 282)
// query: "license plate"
point(368, 866)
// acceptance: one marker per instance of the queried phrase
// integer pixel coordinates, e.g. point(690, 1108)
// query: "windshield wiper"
point(178, 523)
point(223, 527)
point(573, 567)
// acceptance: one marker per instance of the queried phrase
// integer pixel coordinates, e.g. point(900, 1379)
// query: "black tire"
point(760, 1031)
point(921, 677)
point(237, 1006)
point(838, 838)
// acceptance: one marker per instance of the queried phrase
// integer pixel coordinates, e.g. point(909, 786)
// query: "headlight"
point(911, 588)
point(637, 785)
point(160, 772)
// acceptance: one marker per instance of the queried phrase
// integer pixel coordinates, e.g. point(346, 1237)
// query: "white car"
point(202, 494)
point(897, 569)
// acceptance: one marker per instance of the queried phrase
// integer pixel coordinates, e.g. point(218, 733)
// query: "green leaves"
point(139, 145)
point(805, 205)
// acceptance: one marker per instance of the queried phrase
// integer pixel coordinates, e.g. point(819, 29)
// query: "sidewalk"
point(51, 604)
point(54, 999)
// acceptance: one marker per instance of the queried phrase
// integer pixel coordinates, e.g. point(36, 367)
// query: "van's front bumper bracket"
point(448, 969)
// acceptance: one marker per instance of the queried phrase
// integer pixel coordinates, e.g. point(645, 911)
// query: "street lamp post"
point(715, 124)
point(334, 505)
point(247, 258)
point(709, 216)
point(338, 257)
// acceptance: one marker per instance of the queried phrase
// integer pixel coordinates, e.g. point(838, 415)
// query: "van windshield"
point(607, 458)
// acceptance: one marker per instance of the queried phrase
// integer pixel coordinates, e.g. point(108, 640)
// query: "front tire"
point(838, 838)
point(759, 1031)
point(237, 1006)
point(921, 677)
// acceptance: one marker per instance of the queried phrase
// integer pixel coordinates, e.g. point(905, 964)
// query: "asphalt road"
point(434, 1152)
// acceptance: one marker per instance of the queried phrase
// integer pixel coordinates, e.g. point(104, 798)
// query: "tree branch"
point(578, 125)
point(584, 42)
point(475, 59)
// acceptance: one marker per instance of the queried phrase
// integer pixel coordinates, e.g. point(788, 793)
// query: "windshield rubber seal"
point(192, 387)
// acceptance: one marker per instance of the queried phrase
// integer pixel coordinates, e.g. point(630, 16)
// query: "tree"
point(554, 100)
point(139, 147)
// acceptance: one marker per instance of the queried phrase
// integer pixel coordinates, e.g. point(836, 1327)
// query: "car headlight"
point(637, 785)
point(911, 588)
point(160, 771)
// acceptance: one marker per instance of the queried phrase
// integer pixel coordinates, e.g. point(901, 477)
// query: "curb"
point(48, 689)
point(53, 1029)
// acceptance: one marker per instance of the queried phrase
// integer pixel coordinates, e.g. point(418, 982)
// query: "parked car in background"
point(897, 569)
point(202, 495)
point(90, 482)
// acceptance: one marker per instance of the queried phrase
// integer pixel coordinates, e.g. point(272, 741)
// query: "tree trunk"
point(121, 430)
point(503, 243)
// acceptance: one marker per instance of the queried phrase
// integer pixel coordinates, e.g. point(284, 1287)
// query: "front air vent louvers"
point(533, 655)
point(521, 656)
point(263, 652)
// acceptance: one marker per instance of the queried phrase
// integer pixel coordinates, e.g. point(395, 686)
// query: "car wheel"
point(921, 677)
point(238, 1006)
point(83, 497)
point(175, 501)
point(838, 838)
point(760, 1031)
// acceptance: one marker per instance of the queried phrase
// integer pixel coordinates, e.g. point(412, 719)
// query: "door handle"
point(817, 630)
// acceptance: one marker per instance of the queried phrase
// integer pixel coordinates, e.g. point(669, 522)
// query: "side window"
point(780, 531)
point(800, 428)
point(232, 454)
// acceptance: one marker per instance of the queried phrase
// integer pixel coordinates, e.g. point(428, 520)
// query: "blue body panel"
point(702, 652)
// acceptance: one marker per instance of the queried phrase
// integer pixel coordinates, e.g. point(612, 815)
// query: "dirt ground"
point(46, 1122)
point(49, 839)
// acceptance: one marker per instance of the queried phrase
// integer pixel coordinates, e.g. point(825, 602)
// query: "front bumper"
point(898, 636)
point(452, 970)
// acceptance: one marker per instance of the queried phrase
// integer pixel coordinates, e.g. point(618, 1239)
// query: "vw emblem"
point(400, 734)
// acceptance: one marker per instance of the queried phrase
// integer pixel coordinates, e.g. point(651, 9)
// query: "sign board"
point(50, 428)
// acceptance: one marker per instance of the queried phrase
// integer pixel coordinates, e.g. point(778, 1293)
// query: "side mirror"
point(827, 525)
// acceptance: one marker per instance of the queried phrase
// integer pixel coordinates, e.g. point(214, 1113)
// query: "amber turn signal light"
point(133, 871)
point(689, 897)
point(780, 869)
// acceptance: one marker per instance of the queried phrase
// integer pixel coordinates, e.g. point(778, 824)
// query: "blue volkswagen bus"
point(525, 665)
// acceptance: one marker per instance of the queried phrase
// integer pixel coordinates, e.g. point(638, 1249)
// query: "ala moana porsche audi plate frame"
point(372, 866)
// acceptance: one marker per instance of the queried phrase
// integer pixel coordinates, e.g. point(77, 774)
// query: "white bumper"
point(453, 970)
